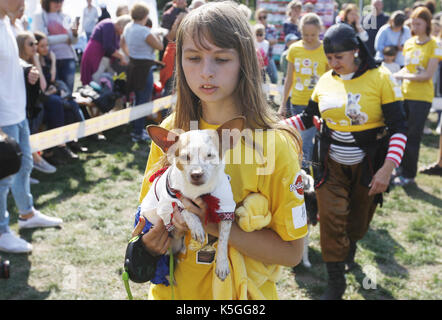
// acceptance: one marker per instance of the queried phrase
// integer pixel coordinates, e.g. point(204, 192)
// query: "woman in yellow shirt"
point(307, 62)
point(422, 56)
point(218, 79)
point(361, 141)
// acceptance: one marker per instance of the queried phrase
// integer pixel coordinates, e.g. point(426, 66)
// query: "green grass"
point(97, 197)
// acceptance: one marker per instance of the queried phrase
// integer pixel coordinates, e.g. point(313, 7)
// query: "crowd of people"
point(361, 124)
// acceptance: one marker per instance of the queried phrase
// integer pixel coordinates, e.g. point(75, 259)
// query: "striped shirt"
point(350, 155)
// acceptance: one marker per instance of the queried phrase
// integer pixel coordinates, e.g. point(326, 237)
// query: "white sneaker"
point(44, 166)
point(33, 180)
point(9, 242)
point(39, 220)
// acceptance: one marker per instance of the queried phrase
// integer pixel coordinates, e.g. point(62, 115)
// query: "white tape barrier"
point(51, 138)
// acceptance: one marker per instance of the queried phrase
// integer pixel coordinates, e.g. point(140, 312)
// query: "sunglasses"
point(259, 34)
point(57, 1)
point(262, 17)
point(31, 44)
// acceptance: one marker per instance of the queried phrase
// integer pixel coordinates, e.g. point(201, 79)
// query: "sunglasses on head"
point(262, 17)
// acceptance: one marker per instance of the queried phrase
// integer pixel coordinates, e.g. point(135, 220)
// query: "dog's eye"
point(210, 156)
point(185, 157)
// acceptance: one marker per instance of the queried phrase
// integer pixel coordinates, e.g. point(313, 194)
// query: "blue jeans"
point(306, 135)
point(272, 71)
point(141, 97)
point(66, 72)
point(19, 182)
point(53, 111)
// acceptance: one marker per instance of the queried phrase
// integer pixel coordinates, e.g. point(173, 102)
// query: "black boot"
point(350, 263)
point(336, 281)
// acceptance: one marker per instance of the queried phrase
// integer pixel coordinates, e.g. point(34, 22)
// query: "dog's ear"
point(162, 137)
point(229, 134)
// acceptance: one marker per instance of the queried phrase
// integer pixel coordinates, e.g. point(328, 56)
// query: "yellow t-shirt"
point(417, 57)
point(308, 67)
point(194, 272)
point(355, 105)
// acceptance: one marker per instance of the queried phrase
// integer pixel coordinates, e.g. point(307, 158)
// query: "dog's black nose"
point(196, 177)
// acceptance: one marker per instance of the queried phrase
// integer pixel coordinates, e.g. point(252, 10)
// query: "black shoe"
point(75, 146)
point(66, 153)
point(54, 157)
point(336, 281)
point(350, 263)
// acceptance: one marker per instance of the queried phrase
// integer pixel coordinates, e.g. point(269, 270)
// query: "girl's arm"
point(379, 42)
point(53, 66)
point(287, 87)
point(42, 79)
point(421, 77)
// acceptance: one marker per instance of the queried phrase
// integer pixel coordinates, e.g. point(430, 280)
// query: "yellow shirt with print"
point(308, 67)
point(275, 180)
point(417, 57)
point(355, 105)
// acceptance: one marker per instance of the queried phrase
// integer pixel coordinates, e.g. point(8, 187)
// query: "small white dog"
point(196, 169)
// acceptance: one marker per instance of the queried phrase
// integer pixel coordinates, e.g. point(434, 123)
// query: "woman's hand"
point(124, 61)
point(381, 179)
point(398, 75)
point(282, 111)
point(157, 240)
point(33, 75)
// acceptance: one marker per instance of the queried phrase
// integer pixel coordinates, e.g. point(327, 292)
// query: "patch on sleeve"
point(297, 187)
point(299, 216)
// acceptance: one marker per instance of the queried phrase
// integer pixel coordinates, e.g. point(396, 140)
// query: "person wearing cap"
point(306, 63)
point(357, 106)
point(394, 33)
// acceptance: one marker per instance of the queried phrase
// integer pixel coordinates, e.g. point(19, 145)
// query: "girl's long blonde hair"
point(222, 24)
point(21, 38)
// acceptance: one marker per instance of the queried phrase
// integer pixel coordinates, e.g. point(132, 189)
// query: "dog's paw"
point(198, 234)
point(306, 263)
point(222, 269)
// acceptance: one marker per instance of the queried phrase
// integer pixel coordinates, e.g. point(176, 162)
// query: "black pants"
point(416, 114)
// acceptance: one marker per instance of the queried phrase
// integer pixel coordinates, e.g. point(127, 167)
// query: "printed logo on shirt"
point(297, 187)
point(299, 216)
point(353, 110)
point(307, 62)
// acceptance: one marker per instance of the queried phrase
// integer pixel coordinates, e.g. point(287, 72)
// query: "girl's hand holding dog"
point(157, 240)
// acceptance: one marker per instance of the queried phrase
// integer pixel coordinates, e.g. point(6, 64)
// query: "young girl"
point(262, 47)
point(139, 44)
point(218, 79)
point(422, 56)
point(27, 51)
point(47, 58)
point(352, 17)
point(307, 62)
